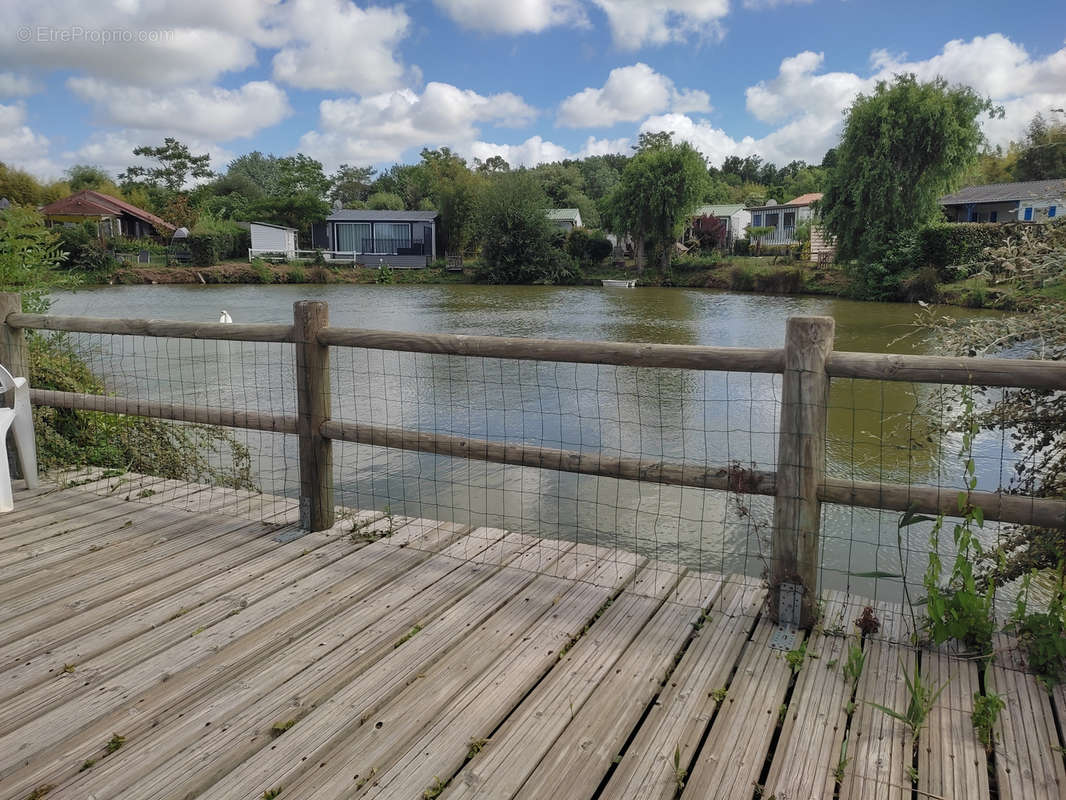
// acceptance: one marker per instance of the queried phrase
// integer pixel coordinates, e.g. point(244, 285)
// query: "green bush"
point(742, 278)
point(296, 275)
point(922, 284)
point(384, 274)
point(741, 247)
point(949, 244)
point(262, 271)
point(587, 248)
point(67, 438)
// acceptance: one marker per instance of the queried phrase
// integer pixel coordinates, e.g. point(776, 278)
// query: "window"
point(992, 216)
point(1029, 214)
point(353, 237)
point(756, 221)
point(771, 220)
point(790, 219)
point(390, 235)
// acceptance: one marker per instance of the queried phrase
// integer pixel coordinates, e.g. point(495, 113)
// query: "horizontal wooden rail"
point(229, 418)
point(1006, 372)
point(1019, 372)
point(233, 332)
point(629, 354)
point(1009, 508)
point(998, 507)
point(525, 455)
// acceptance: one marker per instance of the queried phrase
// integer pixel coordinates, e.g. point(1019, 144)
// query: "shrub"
point(949, 244)
point(384, 274)
point(262, 271)
point(923, 284)
point(587, 248)
point(296, 275)
point(742, 279)
point(741, 247)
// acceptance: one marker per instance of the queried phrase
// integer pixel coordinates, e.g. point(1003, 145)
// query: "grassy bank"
point(762, 274)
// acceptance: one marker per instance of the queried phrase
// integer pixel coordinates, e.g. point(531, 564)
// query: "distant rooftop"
point(802, 200)
point(563, 214)
point(719, 210)
point(1054, 189)
point(363, 215)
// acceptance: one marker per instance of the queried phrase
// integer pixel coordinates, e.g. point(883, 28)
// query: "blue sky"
point(532, 80)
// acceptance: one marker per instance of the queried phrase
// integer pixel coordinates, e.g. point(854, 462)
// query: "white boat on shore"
point(627, 284)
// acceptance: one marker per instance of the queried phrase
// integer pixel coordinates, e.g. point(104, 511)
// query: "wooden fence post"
point(13, 353)
point(313, 408)
point(800, 466)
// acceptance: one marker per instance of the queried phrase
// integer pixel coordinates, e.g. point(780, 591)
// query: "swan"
point(224, 316)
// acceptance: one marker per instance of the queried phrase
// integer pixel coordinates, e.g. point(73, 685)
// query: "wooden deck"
point(148, 652)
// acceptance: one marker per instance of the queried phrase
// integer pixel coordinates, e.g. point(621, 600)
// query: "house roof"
point(799, 202)
point(364, 215)
point(563, 214)
point(719, 210)
point(89, 203)
point(1006, 192)
point(805, 199)
point(272, 225)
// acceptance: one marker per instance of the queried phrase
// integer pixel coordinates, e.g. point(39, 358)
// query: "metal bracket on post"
point(789, 610)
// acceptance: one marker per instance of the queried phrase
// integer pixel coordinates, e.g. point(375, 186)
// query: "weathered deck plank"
point(676, 724)
point(429, 659)
point(1026, 762)
point(807, 756)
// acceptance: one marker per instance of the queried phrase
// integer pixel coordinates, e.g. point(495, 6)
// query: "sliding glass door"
point(353, 237)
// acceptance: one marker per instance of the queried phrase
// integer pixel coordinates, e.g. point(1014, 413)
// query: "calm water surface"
point(875, 429)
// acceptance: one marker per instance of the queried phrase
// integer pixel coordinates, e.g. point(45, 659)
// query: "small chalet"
point(402, 239)
point(112, 216)
point(724, 223)
point(270, 240)
point(784, 217)
point(1028, 201)
point(565, 218)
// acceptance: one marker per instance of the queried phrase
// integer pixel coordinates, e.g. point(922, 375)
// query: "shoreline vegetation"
point(753, 274)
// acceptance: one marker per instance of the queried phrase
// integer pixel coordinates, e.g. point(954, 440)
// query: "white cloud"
point(808, 105)
point(12, 85)
point(535, 150)
point(380, 128)
point(714, 143)
point(636, 23)
point(20, 146)
point(629, 94)
point(338, 45)
point(513, 17)
point(113, 150)
point(215, 113)
point(157, 43)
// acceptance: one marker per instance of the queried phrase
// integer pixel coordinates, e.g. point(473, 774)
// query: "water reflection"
point(876, 429)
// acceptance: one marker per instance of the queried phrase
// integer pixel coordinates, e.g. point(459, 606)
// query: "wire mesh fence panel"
point(613, 417)
point(252, 473)
point(915, 436)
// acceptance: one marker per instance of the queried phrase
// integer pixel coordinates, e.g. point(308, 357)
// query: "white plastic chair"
point(21, 417)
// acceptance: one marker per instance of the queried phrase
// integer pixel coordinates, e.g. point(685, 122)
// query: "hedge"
point(949, 244)
point(208, 249)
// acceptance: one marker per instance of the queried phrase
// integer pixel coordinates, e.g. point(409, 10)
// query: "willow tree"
point(657, 193)
point(903, 147)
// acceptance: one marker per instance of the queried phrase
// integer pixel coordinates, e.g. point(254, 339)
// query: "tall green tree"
point(350, 186)
point(659, 189)
point(902, 148)
point(87, 176)
point(1042, 155)
point(175, 165)
point(516, 237)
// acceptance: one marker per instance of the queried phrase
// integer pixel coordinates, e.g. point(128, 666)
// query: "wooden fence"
point(799, 485)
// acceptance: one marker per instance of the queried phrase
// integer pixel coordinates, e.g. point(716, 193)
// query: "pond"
point(877, 430)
